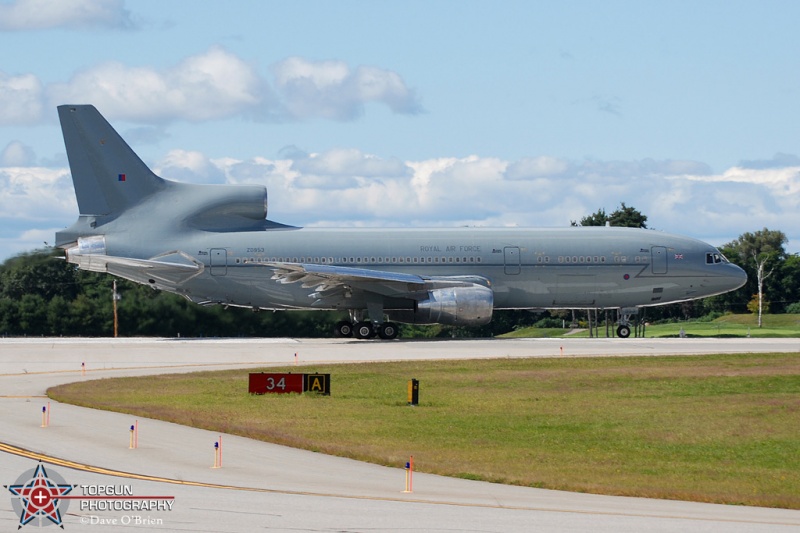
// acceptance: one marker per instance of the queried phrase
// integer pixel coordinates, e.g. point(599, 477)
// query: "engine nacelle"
point(217, 207)
point(455, 306)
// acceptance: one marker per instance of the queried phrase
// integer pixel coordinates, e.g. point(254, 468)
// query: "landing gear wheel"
point(623, 332)
point(364, 330)
point(344, 329)
point(388, 331)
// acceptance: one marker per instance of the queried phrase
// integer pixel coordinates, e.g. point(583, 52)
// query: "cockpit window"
point(714, 258)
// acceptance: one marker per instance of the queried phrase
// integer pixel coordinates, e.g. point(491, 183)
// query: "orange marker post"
point(410, 475)
point(136, 434)
point(48, 414)
point(218, 453)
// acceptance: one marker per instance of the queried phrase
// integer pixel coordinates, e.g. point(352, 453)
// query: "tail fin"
point(108, 176)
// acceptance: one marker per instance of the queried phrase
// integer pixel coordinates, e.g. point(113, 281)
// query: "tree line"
point(43, 295)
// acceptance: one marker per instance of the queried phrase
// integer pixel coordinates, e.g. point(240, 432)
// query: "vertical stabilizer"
point(108, 176)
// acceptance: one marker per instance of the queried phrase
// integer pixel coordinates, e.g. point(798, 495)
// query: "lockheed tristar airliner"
point(214, 245)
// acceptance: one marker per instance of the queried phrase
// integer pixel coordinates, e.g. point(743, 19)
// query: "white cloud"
point(212, 85)
point(22, 15)
point(536, 167)
point(331, 89)
point(349, 162)
point(16, 154)
point(189, 166)
point(216, 84)
point(352, 188)
point(20, 99)
point(36, 194)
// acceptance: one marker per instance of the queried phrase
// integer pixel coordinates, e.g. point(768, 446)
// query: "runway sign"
point(319, 383)
point(263, 383)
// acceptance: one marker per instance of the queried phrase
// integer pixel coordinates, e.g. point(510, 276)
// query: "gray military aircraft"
point(213, 244)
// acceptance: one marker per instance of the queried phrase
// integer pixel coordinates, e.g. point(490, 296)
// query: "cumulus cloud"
point(20, 99)
point(36, 194)
point(779, 160)
point(349, 162)
point(189, 166)
point(212, 85)
point(16, 154)
point(353, 188)
point(331, 89)
point(22, 15)
point(215, 84)
point(536, 167)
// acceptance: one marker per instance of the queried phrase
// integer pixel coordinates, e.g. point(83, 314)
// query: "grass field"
point(722, 428)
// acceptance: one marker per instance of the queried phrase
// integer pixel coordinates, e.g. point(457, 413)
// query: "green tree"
point(785, 284)
point(762, 251)
point(598, 218)
point(624, 216)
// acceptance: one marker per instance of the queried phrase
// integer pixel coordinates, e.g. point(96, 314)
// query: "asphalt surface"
point(261, 486)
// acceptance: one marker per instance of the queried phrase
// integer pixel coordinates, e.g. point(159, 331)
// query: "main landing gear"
point(367, 330)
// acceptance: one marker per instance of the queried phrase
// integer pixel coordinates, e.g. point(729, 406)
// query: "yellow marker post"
point(130, 446)
point(44, 416)
point(216, 455)
point(413, 392)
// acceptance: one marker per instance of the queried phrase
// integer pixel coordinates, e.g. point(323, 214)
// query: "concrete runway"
point(268, 487)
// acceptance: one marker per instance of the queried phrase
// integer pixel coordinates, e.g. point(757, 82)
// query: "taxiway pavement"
point(269, 487)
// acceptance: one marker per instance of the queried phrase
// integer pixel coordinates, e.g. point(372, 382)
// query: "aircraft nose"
point(737, 276)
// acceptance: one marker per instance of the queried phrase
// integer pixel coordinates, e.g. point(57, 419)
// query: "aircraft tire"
point(364, 330)
point(343, 329)
point(388, 331)
point(623, 332)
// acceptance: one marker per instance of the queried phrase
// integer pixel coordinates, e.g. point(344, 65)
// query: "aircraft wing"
point(330, 282)
point(167, 270)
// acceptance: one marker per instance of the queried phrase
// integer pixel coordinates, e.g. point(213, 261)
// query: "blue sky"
point(410, 113)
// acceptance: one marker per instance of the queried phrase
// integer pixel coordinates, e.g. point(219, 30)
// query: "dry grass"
point(712, 428)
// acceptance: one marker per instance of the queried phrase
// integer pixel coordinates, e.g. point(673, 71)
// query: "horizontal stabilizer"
point(169, 270)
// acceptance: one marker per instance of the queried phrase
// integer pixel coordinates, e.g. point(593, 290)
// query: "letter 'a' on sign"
point(319, 383)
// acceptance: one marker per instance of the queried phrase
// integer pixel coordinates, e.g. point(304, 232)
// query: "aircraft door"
point(511, 257)
point(219, 261)
point(659, 259)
